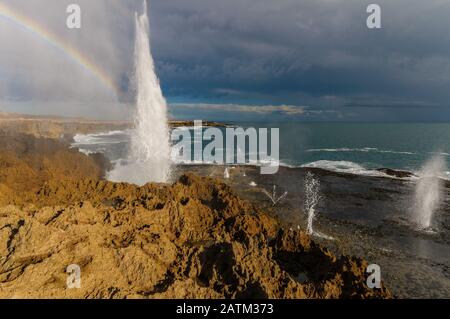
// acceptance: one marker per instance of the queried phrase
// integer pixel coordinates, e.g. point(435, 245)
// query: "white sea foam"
point(364, 149)
point(440, 153)
point(86, 152)
point(114, 137)
point(344, 167)
point(337, 166)
point(99, 138)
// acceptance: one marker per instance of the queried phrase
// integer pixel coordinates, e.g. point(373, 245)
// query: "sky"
point(311, 60)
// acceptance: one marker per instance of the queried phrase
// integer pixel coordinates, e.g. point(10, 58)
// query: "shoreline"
point(65, 128)
point(57, 127)
point(365, 215)
point(231, 248)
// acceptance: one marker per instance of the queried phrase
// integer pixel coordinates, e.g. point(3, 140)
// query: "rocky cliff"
point(192, 239)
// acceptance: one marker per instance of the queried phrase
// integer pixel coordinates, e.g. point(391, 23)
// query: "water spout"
point(312, 193)
point(149, 155)
point(312, 187)
point(428, 192)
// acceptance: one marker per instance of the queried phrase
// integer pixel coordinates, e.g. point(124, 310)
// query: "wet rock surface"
point(365, 216)
point(194, 238)
point(396, 173)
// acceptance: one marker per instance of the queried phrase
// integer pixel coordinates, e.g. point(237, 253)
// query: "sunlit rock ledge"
point(194, 238)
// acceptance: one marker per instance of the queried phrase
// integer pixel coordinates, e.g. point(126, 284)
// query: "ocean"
point(370, 145)
point(357, 148)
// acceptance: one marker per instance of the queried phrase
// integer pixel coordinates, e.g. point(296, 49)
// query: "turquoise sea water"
point(351, 147)
point(372, 145)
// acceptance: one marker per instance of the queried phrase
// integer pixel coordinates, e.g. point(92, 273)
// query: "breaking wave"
point(344, 167)
point(101, 142)
point(112, 137)
point(364, 149)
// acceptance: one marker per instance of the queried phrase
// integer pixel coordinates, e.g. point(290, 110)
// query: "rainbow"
point(56, 42)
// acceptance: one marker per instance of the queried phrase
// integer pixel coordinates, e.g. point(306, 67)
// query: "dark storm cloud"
point(302, 52)
point(318, 53)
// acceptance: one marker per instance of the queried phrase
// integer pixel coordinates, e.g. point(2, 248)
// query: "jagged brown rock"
point(192, 239)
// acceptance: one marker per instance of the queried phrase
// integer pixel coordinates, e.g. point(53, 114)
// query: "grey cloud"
point(33, 69)
point(284, 48)
point(258, 109)
point(247, 52)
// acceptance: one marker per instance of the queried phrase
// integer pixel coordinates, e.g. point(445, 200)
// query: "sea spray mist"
point(149, 156)
point(312, 197)
point(428, 191)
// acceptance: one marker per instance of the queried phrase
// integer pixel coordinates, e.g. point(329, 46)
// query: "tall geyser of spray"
point(149, 159)
point(312, 187)
point(428, 191)
point(312, 199)
point(150, 143)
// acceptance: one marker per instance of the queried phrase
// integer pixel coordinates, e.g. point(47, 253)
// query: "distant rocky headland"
point(58, 127)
